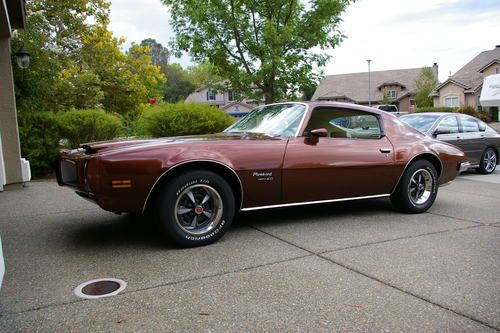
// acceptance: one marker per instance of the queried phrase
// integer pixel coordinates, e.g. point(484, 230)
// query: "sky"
point(394, 34)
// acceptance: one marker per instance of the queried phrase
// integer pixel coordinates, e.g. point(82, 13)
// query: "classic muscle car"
point(479, 141)
point(283, 154)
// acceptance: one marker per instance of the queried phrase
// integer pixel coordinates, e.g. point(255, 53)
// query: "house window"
point(391, 93)
point(210, 95)
point(497, 70)
point(412, 102)
point(451, 102)
point(230, 95)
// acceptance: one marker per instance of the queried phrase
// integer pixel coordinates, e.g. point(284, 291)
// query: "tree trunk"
point(269, 94)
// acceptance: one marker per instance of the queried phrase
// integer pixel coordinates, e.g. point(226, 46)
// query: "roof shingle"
point(355, 85)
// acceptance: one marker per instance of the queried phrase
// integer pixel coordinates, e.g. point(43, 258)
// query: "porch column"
point(8, 116)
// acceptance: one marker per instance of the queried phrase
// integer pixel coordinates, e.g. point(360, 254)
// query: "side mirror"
point(441, 131)
point(319, 133)
point(315, 134)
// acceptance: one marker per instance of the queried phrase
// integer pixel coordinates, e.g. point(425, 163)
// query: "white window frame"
point(451, 98)
point(211, 96)
point(392, 93)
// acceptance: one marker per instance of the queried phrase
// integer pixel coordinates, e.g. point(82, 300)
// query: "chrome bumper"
point(464, 166)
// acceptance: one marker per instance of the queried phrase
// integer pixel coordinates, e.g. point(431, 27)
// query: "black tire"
point(175, 201)
point(488, 162)
point(416, 196)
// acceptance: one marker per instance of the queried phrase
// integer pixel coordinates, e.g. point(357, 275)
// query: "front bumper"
point(464, 166)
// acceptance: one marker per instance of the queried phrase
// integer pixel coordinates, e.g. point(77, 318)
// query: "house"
point(227, 101)
point(464, 87)
point(397, 85)
point(12, 16)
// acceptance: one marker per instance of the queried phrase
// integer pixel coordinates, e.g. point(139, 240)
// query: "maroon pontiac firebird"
point(279, 155)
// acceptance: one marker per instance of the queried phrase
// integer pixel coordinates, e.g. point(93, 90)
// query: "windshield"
point(420, 122)
point(276, 120)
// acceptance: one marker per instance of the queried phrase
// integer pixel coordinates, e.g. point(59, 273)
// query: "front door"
point(449, 131)
point(355, 160)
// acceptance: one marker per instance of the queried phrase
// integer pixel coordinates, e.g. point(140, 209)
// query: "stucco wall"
point(471, 99)
point(8, 117)
point(491, 70)
point(451, 89)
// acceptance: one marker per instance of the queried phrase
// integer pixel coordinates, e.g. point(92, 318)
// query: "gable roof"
point(470, 76)
point(494, 61)
point(239, 103)
point(355, 85)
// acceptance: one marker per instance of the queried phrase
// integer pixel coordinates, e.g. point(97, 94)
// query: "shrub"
point(435, 109)
point(467, 109)
point(39, 133)
point(80, 126)
point(182, 119)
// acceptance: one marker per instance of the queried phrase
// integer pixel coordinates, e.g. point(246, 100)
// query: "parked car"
point(279, 155)
point(480, 142)
point(389, 108)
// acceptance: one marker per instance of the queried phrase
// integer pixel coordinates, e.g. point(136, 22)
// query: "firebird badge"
point(266, 176)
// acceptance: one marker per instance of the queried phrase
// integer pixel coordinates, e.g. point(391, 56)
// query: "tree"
point(425, 83)
point(53, 35)
point(265, 44)
point(205, 75)
point(178, 85)
point(77, 63)
point(159, 53)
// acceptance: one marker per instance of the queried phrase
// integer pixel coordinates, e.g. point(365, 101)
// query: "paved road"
point(352, 267)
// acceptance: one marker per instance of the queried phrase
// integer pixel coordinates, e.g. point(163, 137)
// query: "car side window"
point(448, 125)
point(469, 125)
point(482, 126)
point(345, 123)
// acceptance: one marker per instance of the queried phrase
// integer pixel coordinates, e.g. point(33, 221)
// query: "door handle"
point(458, 138)
point(385, 150)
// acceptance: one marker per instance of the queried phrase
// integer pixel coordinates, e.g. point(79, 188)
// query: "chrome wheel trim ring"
point(490, 161)
point(198, 209)
point(420, 187)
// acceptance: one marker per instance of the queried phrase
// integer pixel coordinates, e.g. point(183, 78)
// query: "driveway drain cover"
point(100, 288)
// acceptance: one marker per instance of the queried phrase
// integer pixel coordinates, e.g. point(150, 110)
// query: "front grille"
point(69, 173)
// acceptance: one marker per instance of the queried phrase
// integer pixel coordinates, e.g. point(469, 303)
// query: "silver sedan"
point(480, 142)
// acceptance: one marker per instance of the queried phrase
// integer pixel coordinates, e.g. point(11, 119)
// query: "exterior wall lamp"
point(22, 58)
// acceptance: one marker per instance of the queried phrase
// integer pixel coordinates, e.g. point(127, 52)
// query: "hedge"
point(41, 134)
point(181, 119)
point(80, 126)
point(464, 109)
point(435, 109)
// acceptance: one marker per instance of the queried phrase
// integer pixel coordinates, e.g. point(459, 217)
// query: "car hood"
point(131, 143)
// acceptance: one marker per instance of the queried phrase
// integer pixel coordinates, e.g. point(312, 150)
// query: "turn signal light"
point(121, 183)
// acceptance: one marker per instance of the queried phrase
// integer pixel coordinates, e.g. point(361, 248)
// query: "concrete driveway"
point(351, 267)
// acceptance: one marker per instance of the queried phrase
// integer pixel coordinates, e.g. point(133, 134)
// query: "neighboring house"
point(464, 87)
point(227, 101)
point(397, 85)
point(12, 16)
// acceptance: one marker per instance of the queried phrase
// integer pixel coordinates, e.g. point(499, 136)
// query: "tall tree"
point(266, 44)
point(425, 83)
point(159, 53)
